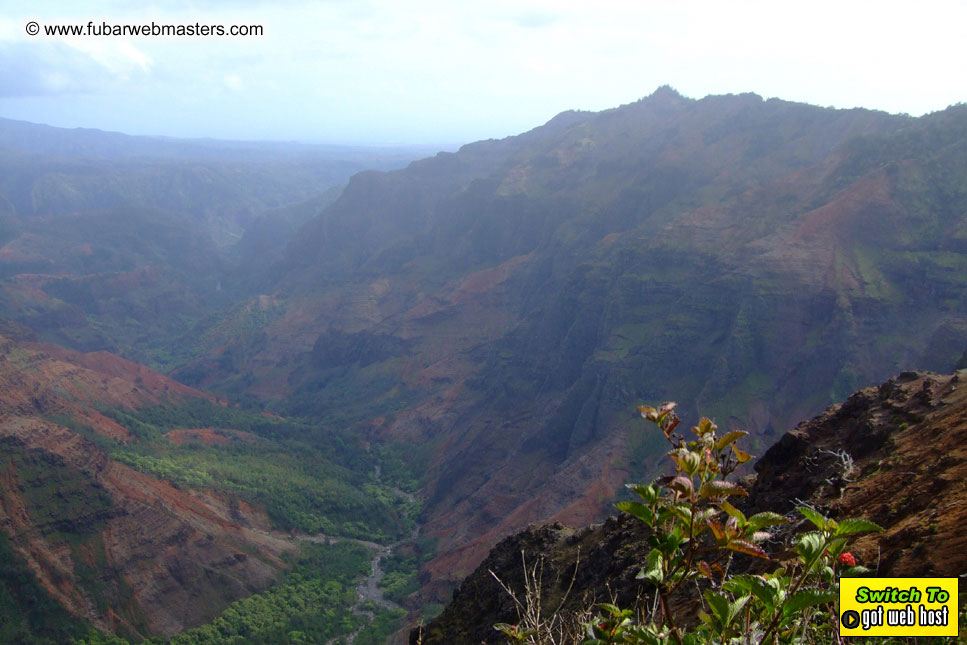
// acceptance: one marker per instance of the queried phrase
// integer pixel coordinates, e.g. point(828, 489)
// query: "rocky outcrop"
point(895, 454)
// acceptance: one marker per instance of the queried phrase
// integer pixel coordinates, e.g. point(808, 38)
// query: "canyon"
point(480, 325)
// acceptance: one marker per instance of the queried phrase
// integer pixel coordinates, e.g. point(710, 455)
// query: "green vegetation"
point(384, 624)
point(71, 508)
point(402, 568)
point(692, 544)
point(28, 614)
point(307, 477)
point(697, 541)
point(312, 604)
point(59, 497)
point(404, 465)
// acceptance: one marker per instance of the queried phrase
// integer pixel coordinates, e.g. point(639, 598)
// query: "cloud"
point(535, 19)
point(116, 55)
point(435, 69)
point(234, 82)
point(42, 69)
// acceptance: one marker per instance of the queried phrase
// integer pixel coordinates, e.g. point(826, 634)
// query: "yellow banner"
point(898, 607)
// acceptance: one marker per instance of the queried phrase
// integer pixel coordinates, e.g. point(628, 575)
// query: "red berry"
point(847, 559)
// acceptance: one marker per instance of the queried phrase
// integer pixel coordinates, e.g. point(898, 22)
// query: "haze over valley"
point(259, 388)
point(467, 337)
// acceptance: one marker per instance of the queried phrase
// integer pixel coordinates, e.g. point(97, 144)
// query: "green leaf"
point(682, 512)
point(704, 427)
point(720, 488)
point(807, 598)
point(856, 525)
point(705, 618)
point(639, 510)
point(817, 518)
point(766, 518)
point(724, 610)
point(651, 572)
point(732, 511)
point(639, 634)
point(647, 492)
point(835, 546)
point(853, 572)
point(674, 538)
point(719, 605)
point(736, 606)
point(514, 631)
point(809, 545)
point(729, 437)
point(766, 593)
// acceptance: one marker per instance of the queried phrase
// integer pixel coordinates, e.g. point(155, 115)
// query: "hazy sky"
point(423, 71)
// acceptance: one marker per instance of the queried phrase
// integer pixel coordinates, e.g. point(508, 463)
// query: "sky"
point(455, 71)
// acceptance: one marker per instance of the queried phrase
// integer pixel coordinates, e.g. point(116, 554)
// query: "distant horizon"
point(203, 139)
point(441, 145)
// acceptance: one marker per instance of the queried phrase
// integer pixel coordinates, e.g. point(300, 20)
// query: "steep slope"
point(504, 308)
point(119, 548)
point(894, 454)
point(137, 505)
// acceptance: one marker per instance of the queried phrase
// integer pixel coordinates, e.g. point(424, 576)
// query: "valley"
point(249, 385)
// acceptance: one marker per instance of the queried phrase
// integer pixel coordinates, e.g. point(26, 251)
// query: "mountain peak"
point(665, 91)
point(666, 95)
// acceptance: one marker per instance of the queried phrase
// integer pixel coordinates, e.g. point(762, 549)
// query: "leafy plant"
point(695, 534)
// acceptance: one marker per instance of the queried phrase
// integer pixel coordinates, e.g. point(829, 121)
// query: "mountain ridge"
point(755, 258)
point(483, 323)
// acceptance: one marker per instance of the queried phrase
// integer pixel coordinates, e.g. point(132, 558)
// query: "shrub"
point(695, 534)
